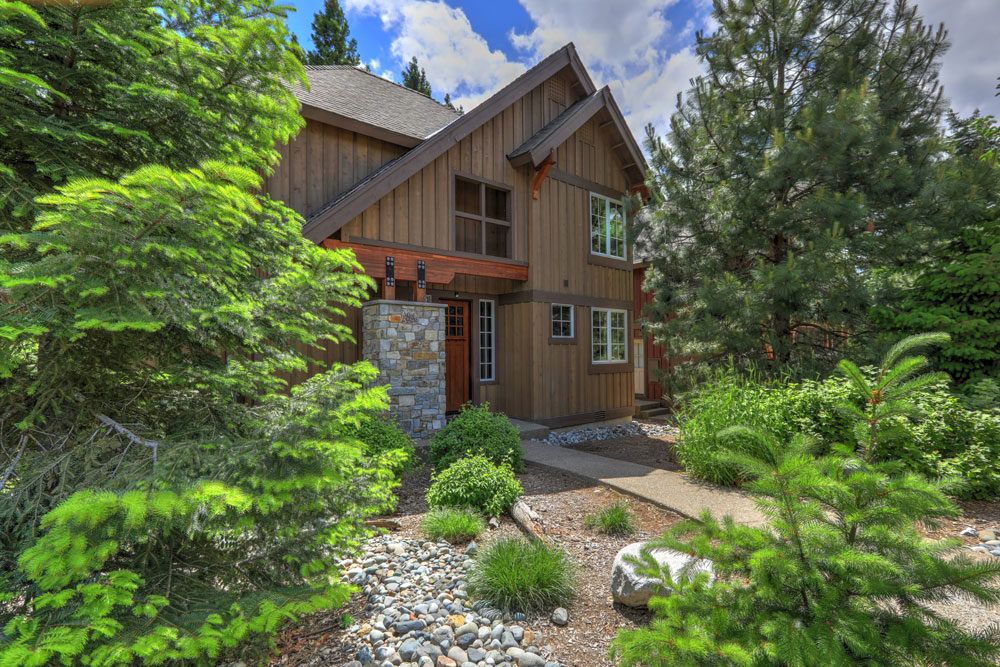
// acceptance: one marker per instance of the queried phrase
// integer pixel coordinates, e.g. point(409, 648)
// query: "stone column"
point(404, 340)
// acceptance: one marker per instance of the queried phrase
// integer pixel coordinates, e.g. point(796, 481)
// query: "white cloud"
point(456, 58)
point(971, 66)
point(375, 67)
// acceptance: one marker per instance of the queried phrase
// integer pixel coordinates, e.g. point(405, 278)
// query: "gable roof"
point(335, 214)
point(563, 126)
point(349, 97)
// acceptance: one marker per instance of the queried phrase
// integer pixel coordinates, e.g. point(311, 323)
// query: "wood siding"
point(321, 162)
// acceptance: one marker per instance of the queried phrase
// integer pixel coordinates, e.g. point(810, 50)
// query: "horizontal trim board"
point(353, 125)
point(434, 251)
point(599, 369)
point(542, 296)
point(439, 269)
point(585, 417)
point(608, 262)
point(586, 184)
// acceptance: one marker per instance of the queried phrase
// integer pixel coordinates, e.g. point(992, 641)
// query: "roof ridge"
point(381, 78)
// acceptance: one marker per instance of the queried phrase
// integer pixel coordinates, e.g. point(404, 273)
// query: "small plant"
point(346, 621)
point(615, 519)
point(452, 524)
point(477, 483)
point(477, 430)
point(514, 574)
point(383, 440)
point(840, 575)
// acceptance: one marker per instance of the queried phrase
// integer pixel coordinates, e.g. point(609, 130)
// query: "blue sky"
point(642, 49)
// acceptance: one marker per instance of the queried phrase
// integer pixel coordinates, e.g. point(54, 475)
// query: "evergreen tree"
point(330, 33)
point(839, 575)
point(803, 160)
point(957, 288)
point(415, 77)
point(164, 496)
point(447, 102)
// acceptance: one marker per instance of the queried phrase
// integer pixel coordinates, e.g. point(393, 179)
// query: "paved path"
point(667, 489)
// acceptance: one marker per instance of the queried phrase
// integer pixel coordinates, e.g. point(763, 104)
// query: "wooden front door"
point(456, 348)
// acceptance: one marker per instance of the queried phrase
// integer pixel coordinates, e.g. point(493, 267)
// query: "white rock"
point(634, 590)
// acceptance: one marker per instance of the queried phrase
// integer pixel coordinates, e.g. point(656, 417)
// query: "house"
point(497, 238)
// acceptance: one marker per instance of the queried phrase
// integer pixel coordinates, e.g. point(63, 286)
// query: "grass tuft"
point(615, 519)
point(452, 524)
point(513, 574)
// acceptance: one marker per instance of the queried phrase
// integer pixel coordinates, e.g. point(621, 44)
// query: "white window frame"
point(572, 320)
point(606, 226)
point(487, 335)
point(607, 328)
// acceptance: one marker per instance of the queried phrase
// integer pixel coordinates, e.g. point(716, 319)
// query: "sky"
point(642, 49)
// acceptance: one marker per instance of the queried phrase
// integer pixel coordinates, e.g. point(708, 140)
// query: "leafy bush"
point(382, 440)
point(453, 524)
point(840, 574)
point(477, 430)
point(942, 436)
point(513, 574)
point(615, 519)
point(475, 482)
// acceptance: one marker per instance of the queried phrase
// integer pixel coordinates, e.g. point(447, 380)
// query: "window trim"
point(607, 246)
point(572, 322)
point(482, 218)
point(493, 341)
point(625, 329)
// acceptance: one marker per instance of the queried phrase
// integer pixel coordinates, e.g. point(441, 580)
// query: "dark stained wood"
point(541, 296)
point(592, 186)
point(457, 377)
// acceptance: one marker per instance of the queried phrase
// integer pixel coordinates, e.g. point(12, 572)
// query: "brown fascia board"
point(630, 143)
point(324, 222)
point(567, 126)
point(353, 125)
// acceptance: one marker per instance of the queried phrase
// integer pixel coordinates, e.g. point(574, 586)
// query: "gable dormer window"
point(482, 217)
point(607, 227)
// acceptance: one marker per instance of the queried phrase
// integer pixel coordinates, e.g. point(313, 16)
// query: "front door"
point(639, 363)
point(456, 350)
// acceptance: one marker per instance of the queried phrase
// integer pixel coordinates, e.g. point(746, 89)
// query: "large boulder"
point(632, 589)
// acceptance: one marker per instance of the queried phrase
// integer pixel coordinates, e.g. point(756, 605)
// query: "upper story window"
point(482, 218)
point(607, 227)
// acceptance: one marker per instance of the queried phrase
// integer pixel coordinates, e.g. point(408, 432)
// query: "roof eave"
point(313, 112)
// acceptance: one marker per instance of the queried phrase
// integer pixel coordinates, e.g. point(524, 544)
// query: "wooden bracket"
point(541, 171)
point(389, 284)
point(420, 293)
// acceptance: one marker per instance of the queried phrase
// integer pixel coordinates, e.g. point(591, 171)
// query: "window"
point(562, 320)
point(607, 335)
point(487, 338)
point(482, 218)
point(607, 227)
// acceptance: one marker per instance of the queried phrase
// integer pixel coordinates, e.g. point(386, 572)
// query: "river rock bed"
point(419, 614)
point(989, 540)
point(624, 430)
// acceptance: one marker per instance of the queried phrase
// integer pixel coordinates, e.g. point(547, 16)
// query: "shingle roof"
point(367, 98)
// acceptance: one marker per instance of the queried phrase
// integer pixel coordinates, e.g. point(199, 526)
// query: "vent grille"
point(600, 415)
point(587, 133)
point(557, 91)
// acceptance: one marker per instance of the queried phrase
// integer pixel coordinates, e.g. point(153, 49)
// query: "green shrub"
point(452, 524)
point(383, 441)
point(477, 483)
point(615, 519)
point(840, 574)
point(477, 430)
point(513, 574)
point(941, 436)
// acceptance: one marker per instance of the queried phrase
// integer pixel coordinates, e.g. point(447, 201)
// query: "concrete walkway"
point(671, 490)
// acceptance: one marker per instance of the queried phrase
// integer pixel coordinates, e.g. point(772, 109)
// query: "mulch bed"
point(655, 452)
point(561, 502)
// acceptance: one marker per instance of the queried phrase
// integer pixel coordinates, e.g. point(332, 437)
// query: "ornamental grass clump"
point(615, 520)
point(839, 574)
point(452, 524)
point(514, 574)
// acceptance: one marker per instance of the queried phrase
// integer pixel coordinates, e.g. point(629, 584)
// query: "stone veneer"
point(405, 341)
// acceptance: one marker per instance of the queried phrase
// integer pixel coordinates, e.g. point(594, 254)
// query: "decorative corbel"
point(541, 171)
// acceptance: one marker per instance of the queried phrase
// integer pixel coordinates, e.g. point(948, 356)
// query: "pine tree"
point(447, 102)
point(330, 33)
point(415, 77)
point(801, 162)
point(839, 575)
point(957, 288)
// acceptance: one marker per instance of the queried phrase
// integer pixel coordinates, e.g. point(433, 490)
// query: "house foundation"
point(405, 341)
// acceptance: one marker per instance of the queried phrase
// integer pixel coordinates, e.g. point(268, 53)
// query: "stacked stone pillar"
point(405, 341)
